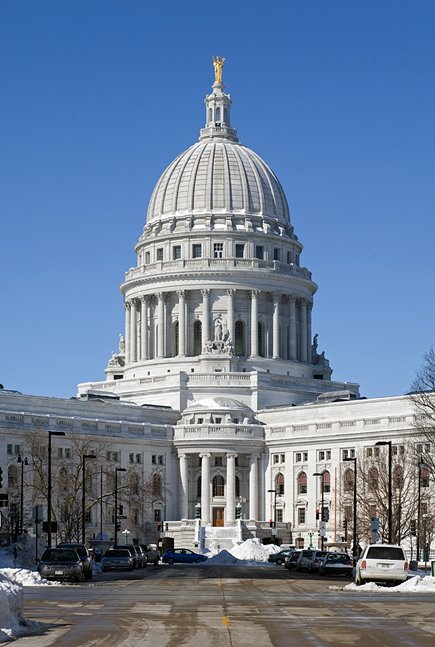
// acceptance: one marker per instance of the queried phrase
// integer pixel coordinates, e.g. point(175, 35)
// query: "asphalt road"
point(203, 606)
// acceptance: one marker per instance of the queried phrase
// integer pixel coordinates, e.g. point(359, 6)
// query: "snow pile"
point(11, 609)
point(417, 584)
point(25, 577)
point(252, 552)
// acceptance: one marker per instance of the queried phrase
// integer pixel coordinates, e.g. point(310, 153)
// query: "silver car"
point(117, 559)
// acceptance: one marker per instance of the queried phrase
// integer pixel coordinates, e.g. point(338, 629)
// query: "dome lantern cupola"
point(218, 109)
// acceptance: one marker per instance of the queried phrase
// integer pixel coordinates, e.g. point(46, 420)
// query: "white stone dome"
point(219, 175)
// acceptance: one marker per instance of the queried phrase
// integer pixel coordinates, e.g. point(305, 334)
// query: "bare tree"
point(423, 396)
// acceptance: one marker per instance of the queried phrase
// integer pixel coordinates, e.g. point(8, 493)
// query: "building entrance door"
point(218, 517)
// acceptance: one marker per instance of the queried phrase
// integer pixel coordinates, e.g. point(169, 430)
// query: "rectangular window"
point(298, 457)
point(275, 254)
point(240, 250)
point(305, 456)
point(259, 252)
point(154, 459)
point(289, 258)
point(218, 420)
point(176, 252)
point(347, 453)
point(159, 253)
point(157, 514)
point(376, 452)
point(276, 458)
point(369, 452)
point(147, 258)
point(279, 515)
point(282, 457)
point(196, 250)
point(301, 516)
point(160, 459)
point(131, 458)
point(321, 455)
point(427, 448)
point(139, 458)
point(218, 250)
point(13, 450)
point(218, 461)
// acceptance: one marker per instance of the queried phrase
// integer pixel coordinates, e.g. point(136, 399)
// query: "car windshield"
point(320, 554)
point(59, 555)
point(118, 553)
point(339, 559)
point(385, 552)
point(81, 550)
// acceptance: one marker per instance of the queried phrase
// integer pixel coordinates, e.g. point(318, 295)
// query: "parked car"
point(61, 564)
point(117, 559)
point(279, 558)
point(381, 563)
point(291, 561)
point(152, 554)
point(183, 555)
point(316, 560)
point(139, 559)
point(304, 560)
point(85, 556)
point(336, 564)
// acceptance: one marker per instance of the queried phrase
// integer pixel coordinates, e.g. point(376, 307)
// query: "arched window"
point(326, 482)
point(225, 115)
point(237, 484)
point(398, 477)
point(197, 337)
point(218, 486)
point(12, 476)
point(176, 338)
point(133, 483)
point(279, 484)
point(218, 114)
point(373, 479)
point(239, 342)
point(198, 487)
point(260, 339)
point(302, 483)
point(156, 484)
point(348, 480)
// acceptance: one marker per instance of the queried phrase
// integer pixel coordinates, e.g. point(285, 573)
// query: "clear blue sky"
point(98, 96)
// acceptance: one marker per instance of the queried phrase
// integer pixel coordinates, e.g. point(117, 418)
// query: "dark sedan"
point(183, 556)
point(279, 558)
point(336, 564)
point(61, 564)
point(291, 561)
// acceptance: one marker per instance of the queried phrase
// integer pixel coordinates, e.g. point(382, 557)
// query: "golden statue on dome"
point(218, 64)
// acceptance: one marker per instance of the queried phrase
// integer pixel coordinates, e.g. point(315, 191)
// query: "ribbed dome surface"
point(219, 176)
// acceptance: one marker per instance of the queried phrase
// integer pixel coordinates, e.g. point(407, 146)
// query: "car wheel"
point(358, 580)
point(279, 562)
point(198, 561)
point(103, 570)
point(156, 562)
point(171, 561)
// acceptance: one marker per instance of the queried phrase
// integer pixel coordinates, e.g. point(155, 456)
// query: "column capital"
point(204, 455)
point(254, 294)
point(145, 298)
point(255, 456)
point(181, 294)
point(127, 305)
point(205, 292)
point(182, 455)
point(230, 292)
point(292, 299)
point(303, 302)
point(231, 455)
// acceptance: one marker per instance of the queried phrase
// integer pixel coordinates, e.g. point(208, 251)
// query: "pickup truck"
point(152, 553)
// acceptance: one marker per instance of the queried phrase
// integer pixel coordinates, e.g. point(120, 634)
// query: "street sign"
point(375, 524)
point(122, 516)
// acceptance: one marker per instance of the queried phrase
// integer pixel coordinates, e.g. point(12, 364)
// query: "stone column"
point(303, 328)
point(205, 316)
point(230, 314)
point(254, 323)
point(309, 333)
point(133, 331)
point(144, 328)
point(292, 321)
point(181, 322)
point(205, 488)
point(231, 489)
point(275, 325)
point(127, 332)
point(253, 486)
point(184, 489)
point(160, 325)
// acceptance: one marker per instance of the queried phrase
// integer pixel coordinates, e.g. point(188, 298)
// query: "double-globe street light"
point(85, 456)
point(117, 469)
point(354, 548)
point(322, 487)
point(23, 461)
point(381, 443)
point(49, 485)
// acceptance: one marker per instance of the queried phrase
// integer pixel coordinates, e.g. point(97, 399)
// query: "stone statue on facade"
point(218, 331)
point(121, 350)
point(218, 64)
point(318, 359)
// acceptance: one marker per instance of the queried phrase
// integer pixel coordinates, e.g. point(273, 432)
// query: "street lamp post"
point(420, 466)
point(322, 535)
point(49, 486)
point(117, 469)
point(381, 443)
point(23, 462)
point(355, 550)
point(274, 506)
point(85, 456)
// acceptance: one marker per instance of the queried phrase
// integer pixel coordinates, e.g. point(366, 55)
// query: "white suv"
point(381, 563)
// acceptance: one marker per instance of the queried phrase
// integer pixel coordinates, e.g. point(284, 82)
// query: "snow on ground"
point(250, 553)
point(417, 584)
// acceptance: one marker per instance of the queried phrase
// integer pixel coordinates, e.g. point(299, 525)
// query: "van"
point(381, 563)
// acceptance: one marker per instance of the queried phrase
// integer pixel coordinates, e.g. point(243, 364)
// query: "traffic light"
point(270, 523)
point(121, 509)
point(1, 477)
point(317, 514)
point(413, 527)
point(118, 527)
point(345, 524)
